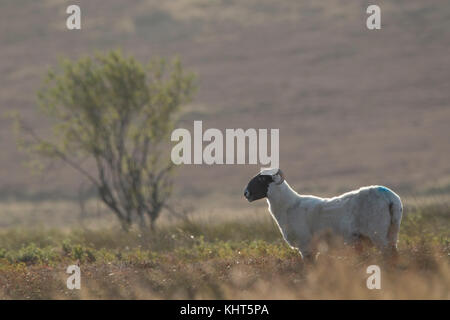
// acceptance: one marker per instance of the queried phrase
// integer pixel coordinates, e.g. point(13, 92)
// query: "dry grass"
point(241, 259)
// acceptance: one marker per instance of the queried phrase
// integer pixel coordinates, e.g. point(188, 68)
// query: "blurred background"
point(354, 107)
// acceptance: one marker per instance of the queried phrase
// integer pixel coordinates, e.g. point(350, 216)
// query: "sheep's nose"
point(246, 193)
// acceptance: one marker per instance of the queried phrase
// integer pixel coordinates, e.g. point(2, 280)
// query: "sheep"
point(372, 212)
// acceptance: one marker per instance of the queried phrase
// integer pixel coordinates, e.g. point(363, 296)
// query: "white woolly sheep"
point(373, 212)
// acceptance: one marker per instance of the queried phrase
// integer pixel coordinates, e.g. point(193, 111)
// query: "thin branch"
point(59, 153)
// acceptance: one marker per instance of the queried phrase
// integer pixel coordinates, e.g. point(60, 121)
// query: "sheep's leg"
point(390, 253)
point(309, 258)
point(360, 242)
point(388, 249)
point(391, 249)
point(359, 247)
point(378, 241)
point(307, 253)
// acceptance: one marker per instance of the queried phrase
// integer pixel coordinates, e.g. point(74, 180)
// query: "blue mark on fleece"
point(384, 189)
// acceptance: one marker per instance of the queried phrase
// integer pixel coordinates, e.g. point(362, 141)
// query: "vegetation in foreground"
point(239, 260)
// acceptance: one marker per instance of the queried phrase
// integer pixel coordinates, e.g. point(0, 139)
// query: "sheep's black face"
point(257, 187)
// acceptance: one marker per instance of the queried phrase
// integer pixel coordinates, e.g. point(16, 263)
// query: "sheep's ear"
point(278, 177)
point(276, 174)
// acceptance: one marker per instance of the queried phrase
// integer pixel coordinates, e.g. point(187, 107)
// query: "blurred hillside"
point(354, 107)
